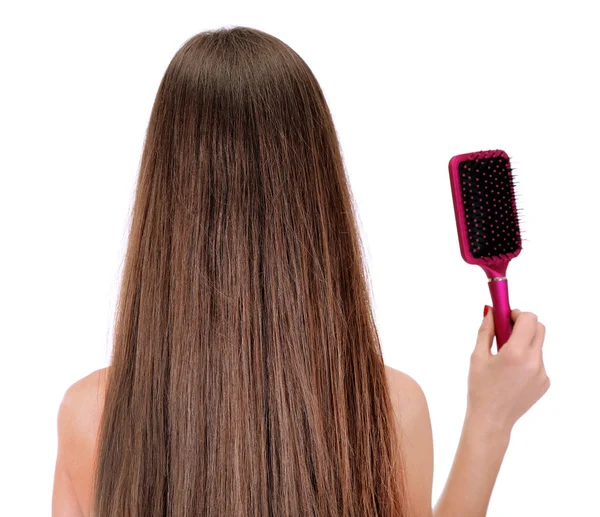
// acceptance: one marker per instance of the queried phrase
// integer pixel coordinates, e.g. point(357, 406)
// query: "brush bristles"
point(492, 216)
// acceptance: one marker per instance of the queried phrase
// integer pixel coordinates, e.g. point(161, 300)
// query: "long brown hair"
point(247, 377)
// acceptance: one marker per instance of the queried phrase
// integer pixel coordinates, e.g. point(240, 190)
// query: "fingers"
point(527, 331)
point(540, 334)
point(514, 314)
point(524, 330)
point(485, 335)
point(538, 339)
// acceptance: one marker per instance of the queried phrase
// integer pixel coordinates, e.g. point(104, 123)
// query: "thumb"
point(485, 335)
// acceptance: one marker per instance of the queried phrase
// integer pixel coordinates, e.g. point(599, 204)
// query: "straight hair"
point(247, 377)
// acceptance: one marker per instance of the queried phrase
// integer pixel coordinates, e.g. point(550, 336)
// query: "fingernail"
point(486, 308)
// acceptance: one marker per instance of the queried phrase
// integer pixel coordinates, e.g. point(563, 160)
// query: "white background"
point(410, 84)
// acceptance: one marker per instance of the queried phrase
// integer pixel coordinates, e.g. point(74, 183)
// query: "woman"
point(247, 375)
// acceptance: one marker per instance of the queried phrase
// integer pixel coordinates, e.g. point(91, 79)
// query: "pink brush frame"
point(494, 267)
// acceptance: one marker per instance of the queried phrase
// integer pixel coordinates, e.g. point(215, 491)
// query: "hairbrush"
point(488, 223)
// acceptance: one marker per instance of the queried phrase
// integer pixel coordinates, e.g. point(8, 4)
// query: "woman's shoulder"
point(80, 411)
point(81, 408)
point(406, 393)
point(413, 425)
point(86, 394)
point(84, 399)
point(79, 416)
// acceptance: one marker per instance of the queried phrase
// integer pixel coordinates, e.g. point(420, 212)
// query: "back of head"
point(247, 376)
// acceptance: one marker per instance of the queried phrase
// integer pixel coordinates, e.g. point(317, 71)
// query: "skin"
point(502, 387)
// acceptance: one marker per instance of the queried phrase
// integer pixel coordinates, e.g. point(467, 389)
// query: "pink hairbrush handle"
point(502, 321)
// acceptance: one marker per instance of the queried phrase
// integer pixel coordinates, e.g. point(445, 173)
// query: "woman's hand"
point(503, 386)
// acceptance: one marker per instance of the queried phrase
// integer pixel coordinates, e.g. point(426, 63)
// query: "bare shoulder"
point(78, 422)
point(79, 414)
point(83, 399)
point(413, 425)
point(90, 382)
point(407, 396)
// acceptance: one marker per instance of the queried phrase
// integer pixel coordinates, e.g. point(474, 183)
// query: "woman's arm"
point(502, 387)
point(471, 480)
point(478, 458)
